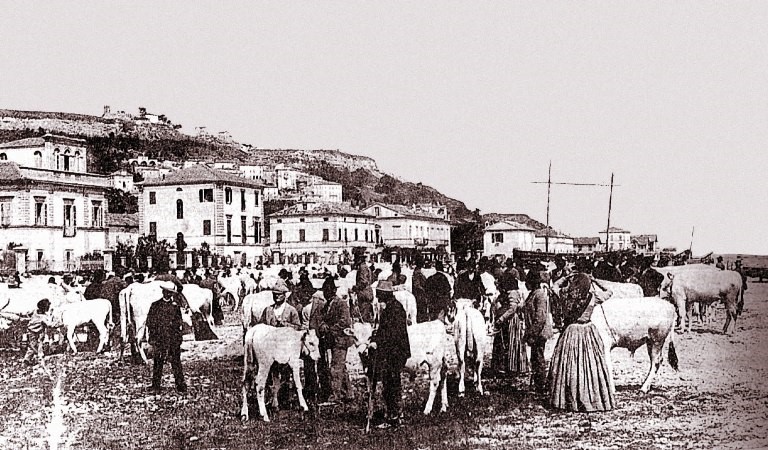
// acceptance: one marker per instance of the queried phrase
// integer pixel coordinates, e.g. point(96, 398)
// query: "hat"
point(280, 287)
point(439, 266)
point(533, 277)
point(384, 286)
point(167, 286)
point(328, 284)
point(719, 258)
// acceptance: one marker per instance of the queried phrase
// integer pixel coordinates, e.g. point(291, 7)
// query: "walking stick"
point(371, 394)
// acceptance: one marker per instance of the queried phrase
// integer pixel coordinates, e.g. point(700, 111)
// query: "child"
point(38, 324)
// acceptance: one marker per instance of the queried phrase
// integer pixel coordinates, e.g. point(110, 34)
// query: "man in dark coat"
point(164, 324)
point(397, 278)
point(316, 374)
point(93, 290)
point(438, 293)
point(336, 319)
point(418, 285)
point(468, 284)
point(538, 329)
point(210, 283)
point(393, 349)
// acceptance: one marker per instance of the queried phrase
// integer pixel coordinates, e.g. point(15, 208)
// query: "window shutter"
point(201, 195)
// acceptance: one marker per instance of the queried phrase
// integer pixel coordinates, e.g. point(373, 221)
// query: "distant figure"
point(397, 278)
point(438, 293)
point(418, 286)
point(363, 289)
point(738, 267)
point(164, 324)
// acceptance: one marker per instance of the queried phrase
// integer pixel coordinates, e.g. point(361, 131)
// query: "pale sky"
point(473, 98)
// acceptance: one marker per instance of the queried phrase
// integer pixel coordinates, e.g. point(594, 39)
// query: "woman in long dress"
point(579, 377)
point(509, 351)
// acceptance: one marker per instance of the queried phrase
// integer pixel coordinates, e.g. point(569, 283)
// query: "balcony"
point(420, 241)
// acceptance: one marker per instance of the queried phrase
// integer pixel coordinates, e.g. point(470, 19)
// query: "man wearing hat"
point(419, 287)
point(336, 319)
point(720, 265)
point(393, 349)
point(164, 324)
point(281, 314)
point(560, 270)
point(438, 293)
point(362, 288)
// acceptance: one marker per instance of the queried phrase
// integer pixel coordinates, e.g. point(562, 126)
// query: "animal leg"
point(103, 336)
point(444, 386)
point(461, 366)
point(247, 378)
point(261, 382)
point(299, 388)
point(655, 354)
point(71, 339)
point(434, 382)
point(479, 374)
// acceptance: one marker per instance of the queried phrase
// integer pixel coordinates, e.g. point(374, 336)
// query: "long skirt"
point(518, 354)
point(579, 378)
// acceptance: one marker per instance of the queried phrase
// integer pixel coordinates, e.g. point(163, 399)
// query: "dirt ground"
point(719, 399)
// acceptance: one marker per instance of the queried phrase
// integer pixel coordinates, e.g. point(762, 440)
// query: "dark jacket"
point(470, 289)
point(392, 343)
point(289, 318)
point(164, 324)
point(335, 320)
point(574, 302)
point(418, 283)
point(363, 283)
point(438, 289)
point(536, 314)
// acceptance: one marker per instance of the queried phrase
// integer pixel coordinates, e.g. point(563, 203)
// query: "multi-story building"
point(552, 241)
point(503, 238)
point(201, 204)
point(323, 229)
point(326, 191)
point(252, 171)
point(406, 227)
point(49, 203)
point(286, 178)
point(122, 179)
point(645, 243)
point(122, 228)
point(587, 244)
point(616, 238)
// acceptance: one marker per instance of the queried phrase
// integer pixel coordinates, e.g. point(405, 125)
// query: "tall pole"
point(690, 247)
point(608, 228)
point(549, 190)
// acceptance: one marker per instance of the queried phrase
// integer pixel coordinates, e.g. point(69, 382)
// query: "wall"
point(513, 240)
point(313, 226)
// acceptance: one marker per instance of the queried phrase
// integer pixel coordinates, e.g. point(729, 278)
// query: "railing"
point(72, 265)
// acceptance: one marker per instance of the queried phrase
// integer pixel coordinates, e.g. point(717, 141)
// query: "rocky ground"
point(719, 399)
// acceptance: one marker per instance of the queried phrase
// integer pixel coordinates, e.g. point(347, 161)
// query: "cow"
point(254, 306)
point(231, 288)
point(135, 301)
point(97, 311)
point(427, 342)
point(622, 290)
point(266, 345)
point(199, 300)
point(404, 297)
point(630, 323)
point(470, 336)
point(707, 287)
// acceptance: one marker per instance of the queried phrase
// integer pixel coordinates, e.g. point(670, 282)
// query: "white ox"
point(428, 347)
point(254, 306)
point(97, 311)
point(266, 345)
point(200, 300)
point(622, 290)
point(704, 287)
point(470, 336)
point(135, 301)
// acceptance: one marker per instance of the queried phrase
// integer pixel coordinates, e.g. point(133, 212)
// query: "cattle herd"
point(646, 305)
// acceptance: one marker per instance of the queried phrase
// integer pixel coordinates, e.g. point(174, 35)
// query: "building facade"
point(645, 243)
point(326, 191)
point(201, 204)
point(552, 241)
point(49, 204)
point(503, 238)
point(587, 244)
point(324, 229)
point(407, 227)
point(617, 239)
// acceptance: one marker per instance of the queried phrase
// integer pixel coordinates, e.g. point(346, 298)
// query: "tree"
point(149, 246)
point(121, 202)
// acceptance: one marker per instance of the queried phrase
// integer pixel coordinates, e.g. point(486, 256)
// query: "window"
point(376, 211)
point(206, 195)
point(325, 234)
point(229, 229)
point(346, 239)
point(325, 219)
point(256, 230)
point(301, 220)
point(97, 215)
point(339, 235)
point(366, 235)
point(302, 235)
point(256, 198)
point(304, 206)
point(5, 211)
point(279, 236)
point(356, 235)
point(228, 196)
point(38, 159)
point(242, 202)
point(70, 218)
point(153, 228)
point(152, 198)
point(179, 209)
point(206, 227)
point(243, 231)
point(497, 238)
point(41, 211)
point(4, 157)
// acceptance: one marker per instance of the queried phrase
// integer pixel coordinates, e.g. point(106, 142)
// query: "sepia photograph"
point(383, 225)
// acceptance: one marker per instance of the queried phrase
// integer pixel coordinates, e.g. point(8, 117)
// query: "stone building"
point(201, 204)
point(407, 227)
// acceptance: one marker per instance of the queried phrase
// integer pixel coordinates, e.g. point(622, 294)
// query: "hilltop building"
point(123, 180)
point(413, 228)
point(201, 204)
point(49, 204)
point(324, 230)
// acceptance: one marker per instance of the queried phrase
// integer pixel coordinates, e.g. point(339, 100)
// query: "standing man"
point(335, 320)
point(419, 286)
point(720, 265)
point(397, 278)
point(438, 293)
point(281, 314)
point(393, 349)
point(538, 329)
point(363, 289)
point(210, 283)
point(164, 323)
point(560, 270)
point(316, 374)
point(738, 267)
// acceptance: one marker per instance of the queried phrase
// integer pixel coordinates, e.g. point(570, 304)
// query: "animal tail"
point(124, 298)
point(470, 335)
point(671, 353)
point(109, 323)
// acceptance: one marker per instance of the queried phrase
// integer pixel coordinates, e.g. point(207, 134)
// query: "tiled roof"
point(615, 230)
point(519, 218)
point(586, 241)
point(550, 232)
point(200, 174)
point(320, 209)
point(123, 220)
point(9, 171)
point(28, 142)
point(506, 225)
point(643, 239)
point(408, 212)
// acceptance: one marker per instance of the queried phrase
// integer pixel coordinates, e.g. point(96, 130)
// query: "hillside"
point(115, 138)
